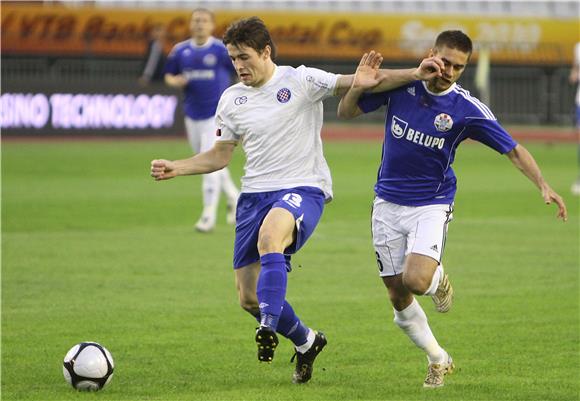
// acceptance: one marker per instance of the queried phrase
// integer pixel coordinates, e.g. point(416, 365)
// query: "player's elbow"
point(344, 114)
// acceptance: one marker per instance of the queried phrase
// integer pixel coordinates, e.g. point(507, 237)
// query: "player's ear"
point(267, 52)
point(432, 52)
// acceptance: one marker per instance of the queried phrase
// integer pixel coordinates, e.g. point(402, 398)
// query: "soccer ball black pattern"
point(88, 366)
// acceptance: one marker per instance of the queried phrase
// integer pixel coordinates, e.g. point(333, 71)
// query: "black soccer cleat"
point(267, 341)
point(305, 362)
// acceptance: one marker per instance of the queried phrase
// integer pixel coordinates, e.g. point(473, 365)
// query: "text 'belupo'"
point(87, 111)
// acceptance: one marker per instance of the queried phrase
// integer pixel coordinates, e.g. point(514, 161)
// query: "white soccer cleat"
point(206, 222)
point(443, 297)
point(436, 373)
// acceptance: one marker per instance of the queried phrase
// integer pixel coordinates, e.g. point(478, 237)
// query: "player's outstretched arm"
point(526, 163)
point(390, 79)
point(363, 79)
point(214, 159)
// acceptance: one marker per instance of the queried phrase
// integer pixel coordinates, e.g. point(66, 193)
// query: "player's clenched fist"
point(162, 169)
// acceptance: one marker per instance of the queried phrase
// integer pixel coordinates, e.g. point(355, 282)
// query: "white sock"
point(309, 341)
point(210, 185)
point(228, 186)
point(437, 276)
point(413, 321)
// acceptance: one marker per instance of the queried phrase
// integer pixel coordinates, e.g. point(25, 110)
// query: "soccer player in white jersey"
point(201, 67)
point(275, 112)
point(425, 122)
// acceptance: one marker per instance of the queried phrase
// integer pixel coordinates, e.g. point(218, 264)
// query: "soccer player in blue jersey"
point(425, 122)
point(275, 113)
point(201, 67)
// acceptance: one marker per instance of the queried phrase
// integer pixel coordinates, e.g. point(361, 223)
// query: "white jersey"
point(279, 125)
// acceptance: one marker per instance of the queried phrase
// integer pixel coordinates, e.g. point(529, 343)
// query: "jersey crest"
point(210, 60)
point(398, 127)
point(443, 122)
point(284, 95)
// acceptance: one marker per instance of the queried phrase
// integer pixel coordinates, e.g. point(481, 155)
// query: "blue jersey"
point(422, 132)
point(208, 69)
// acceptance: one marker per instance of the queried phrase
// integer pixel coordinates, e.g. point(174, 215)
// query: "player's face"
point(252, 67)
point(454, 61)
point(201, 25)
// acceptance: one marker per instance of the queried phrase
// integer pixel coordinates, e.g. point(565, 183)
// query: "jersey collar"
point(207, 43)
point(445, 92)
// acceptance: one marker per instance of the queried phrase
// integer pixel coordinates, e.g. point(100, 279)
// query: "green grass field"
point(94, 249)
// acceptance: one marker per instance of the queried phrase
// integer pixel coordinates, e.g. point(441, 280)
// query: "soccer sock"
point(311, 336)
point(413, 321)
point(437, 275)
point(211, 191)
point(271, 289)
point(228, 186)
point(290, 326)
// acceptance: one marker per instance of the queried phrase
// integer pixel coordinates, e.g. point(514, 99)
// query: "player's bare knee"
point(268, 243)
point(415, 283)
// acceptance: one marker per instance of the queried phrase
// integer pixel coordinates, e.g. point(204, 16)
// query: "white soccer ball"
point(88, 366)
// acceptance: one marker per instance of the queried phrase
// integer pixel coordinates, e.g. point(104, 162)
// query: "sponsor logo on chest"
point(400, 129)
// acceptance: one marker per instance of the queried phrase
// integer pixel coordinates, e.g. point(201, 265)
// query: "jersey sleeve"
point(172, 64)
point(227, 130)
point(491, 133)
point(372, 101)
point(318, 84)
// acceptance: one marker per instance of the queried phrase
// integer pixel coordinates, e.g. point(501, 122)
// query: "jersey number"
point(293, 200)
point(379, 262)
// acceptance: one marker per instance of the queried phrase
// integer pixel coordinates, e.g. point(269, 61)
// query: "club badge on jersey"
point(284, 95)
point(443, 122)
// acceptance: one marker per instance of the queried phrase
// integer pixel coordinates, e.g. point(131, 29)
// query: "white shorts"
point(401, 230)
point(201, 134)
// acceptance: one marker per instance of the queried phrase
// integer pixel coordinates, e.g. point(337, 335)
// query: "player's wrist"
point(416, 74)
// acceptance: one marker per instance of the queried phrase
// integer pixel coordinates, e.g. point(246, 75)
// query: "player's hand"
point(430, 67)
point(550, 196)
point(366, 75)
point(178, 81)
point(162, 169)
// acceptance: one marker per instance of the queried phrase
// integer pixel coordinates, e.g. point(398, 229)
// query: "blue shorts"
point(305, 203)
point(578, 116)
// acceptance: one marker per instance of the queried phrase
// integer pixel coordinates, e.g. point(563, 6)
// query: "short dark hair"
point(250, 32)
point(205, 11)
point(454, 40)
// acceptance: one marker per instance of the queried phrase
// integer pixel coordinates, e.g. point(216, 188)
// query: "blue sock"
point(271, 289)
point(291, 327)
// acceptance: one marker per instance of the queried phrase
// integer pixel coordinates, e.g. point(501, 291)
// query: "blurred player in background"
point(276, 113)
point(425, 122)
point(575, 79)
point(155, 58)
point(202, 68)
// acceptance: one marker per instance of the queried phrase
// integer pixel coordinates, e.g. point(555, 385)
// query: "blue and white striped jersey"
point(209, 71)
point(422, 132)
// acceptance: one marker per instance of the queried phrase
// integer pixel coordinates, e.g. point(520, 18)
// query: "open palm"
point(366, 76)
